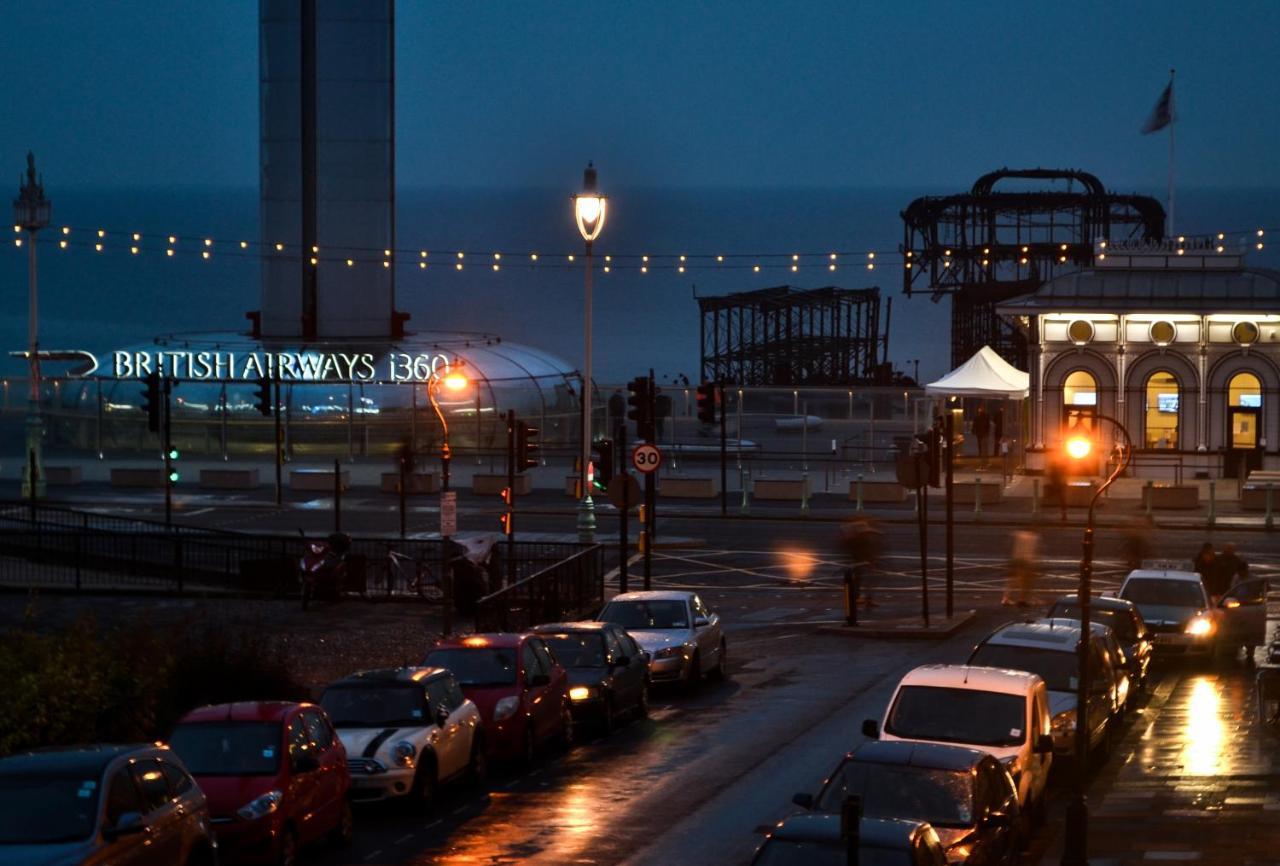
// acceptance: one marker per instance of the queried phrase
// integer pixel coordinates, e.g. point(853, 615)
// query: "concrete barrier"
point(965, 492)
point(877, 491)
point(492, 485)
point(317, 480)
point(415, 482)
point(785, 489)
point(229, 479)
point(1253, 496)
point(681, 487)
point(137, 477)
point(1171, 496)
point(1079, 494)
point(63, 476)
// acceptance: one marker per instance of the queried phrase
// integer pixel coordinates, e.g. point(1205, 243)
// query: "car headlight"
point(669, 652)
point(580, 693)
point(404, 753)
point(261, 806)
point(1064, 723)
point(506, 708)
point(1199, 626)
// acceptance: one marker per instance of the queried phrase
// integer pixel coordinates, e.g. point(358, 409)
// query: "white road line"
point(405, 838)
point(435, 823)
point(371, 855)
point(459, 810)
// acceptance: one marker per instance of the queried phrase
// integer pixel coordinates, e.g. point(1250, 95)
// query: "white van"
point(1003, 712)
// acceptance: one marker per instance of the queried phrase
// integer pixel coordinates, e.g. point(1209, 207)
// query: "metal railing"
point(569, 589)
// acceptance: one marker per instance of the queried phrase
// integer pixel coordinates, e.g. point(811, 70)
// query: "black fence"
point(570, 589)
point(47, 546)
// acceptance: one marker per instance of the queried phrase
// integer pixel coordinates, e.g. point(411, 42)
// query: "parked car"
point(683, 638)
point(407, 731)
point(608, 672)
point(522, 693)
point(818, 840)
point(1048, 650)
point(966, 795)
point(100, 805)
point(1125, 621)
point(1184, 621)
point(275, 775)
point(1004, 712)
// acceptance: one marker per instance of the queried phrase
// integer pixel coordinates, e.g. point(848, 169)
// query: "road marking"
point(405, 838)
point(460, 809)
point(371, 855)
point(435, 823)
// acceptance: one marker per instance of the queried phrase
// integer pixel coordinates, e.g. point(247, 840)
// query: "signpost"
point(646, 457)
point(449, 513)
point(624, 493)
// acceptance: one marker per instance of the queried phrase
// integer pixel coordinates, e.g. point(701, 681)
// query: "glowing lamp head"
point(1078, 447)
point(589, 207)
point(475, 641)
point(455, 381)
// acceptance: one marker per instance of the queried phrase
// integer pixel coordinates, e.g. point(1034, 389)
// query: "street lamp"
point(589, 209)
point(454, 381)
point(1075, 850)
point(31, 212)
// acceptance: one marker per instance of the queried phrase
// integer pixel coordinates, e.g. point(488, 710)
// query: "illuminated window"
point(1161, 429)
point(1244, 397)
point(1079, 402)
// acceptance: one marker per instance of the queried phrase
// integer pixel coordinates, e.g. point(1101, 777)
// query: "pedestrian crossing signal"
point(707, 403)
point(526, 446)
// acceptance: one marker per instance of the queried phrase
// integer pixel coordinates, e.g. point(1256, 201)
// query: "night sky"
point(723, 94)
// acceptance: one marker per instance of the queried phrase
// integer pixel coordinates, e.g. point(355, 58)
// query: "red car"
point(274, 773)
point(522, 692)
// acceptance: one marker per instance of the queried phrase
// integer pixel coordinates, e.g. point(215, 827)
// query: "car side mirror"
point(645, 656)
point(539, 680)
point(130, 823)
point(871, 728)
point(701, 622)
point(306, 762)
point(442, 715)
point(803, 800)
point(1043, 745)
point(621, 661)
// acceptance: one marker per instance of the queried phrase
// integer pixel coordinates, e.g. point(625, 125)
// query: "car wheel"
point(342, 833)
point(566, 727)
point(717, 673)
point(642, 704)
point(693, 672)
point(288, 848)
point(425, 787)
point(607, 717)
point(478, 768)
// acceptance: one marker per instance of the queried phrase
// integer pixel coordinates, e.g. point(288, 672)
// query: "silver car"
point(683, 638)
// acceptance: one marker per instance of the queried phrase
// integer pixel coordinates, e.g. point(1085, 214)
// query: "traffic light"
point(526, 446)
point(507, 497)
point(602, 464)
point(707, 403)
point(262, 396)
point(505, 521)
point(640, 399)
point(152, 401)
point(926, 447)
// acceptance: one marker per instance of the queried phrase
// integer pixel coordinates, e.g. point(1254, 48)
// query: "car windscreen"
point(1170, 593)
point(958, 716)
point(642, 615)
point(385, 705)
point(1119, 621)
point(943, 798)
point(46, 809)
point(577, 649)
point(788, 852)
point(228, 748)
point(477, 666)
point(1057, 669)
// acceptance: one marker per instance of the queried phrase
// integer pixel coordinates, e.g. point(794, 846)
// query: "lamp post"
point(452, 381)
point(1075, 850)
point(31, 211)
point(589, 209)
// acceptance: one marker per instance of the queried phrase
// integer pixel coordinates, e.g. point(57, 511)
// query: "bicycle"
point(411, 574)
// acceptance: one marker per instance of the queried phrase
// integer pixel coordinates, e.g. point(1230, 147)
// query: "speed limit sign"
point(646, 457)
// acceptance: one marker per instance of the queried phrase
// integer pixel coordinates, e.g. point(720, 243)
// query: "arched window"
point(1244, 412)
point(1079, 401)
point(1245, 390)
point(1161, 430)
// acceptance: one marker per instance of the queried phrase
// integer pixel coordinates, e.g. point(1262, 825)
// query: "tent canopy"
point(986, 374)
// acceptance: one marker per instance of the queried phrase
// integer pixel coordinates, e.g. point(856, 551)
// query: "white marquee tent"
point(986, 374)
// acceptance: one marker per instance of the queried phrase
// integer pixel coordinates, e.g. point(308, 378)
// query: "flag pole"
point(1173, 120)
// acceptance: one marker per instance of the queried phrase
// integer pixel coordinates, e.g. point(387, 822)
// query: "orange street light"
point(1078, 447)
point(455, 382)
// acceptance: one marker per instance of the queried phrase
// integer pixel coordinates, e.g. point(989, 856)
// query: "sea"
point(99, 301)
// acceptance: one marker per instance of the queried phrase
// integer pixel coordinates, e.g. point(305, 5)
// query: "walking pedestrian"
point(1136, 541)
point(861, 542)
point(1056, 484)
point(1204, 564)
point(981, 428)
point(1022, 569)
point(1230, 569)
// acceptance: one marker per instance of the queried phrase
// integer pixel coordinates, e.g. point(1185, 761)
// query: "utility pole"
point(31, 212)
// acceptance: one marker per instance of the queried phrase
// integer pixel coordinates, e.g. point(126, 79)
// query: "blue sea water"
point(101, 301)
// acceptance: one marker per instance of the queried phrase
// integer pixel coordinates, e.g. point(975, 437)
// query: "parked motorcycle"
point(327, 569)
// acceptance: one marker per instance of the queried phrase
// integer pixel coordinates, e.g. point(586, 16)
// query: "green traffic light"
point(173, 477)
point(173, 454)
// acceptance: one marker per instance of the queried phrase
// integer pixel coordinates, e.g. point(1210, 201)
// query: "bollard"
point(804, 494)
point(1213, 502)
point(1035, 498)
point(1150, 496)
point(857, 505)
point(1269, 522)
point(977, 497)
point(850, 598)
point(746, 493)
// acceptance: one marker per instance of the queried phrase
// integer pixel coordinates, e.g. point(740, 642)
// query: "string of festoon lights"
point(206, 248)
